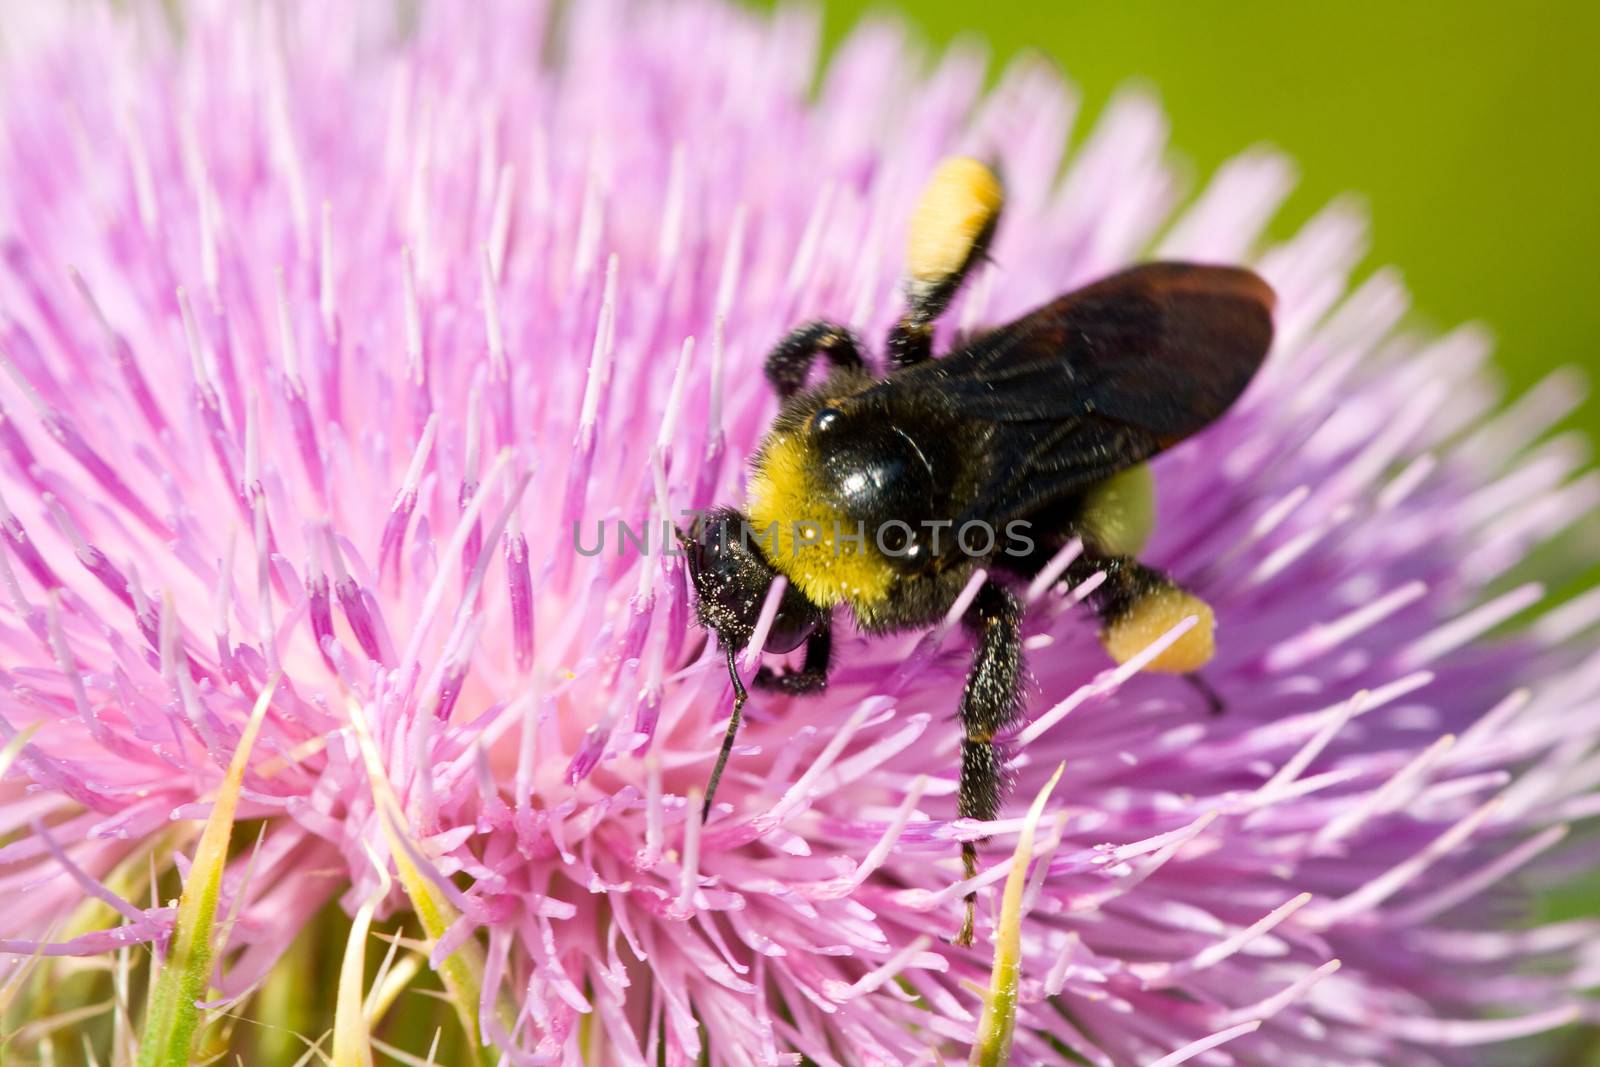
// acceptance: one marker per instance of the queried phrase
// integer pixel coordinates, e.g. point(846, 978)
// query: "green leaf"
point(462, 970)
point(352, 1041)
point(174, 1014)
point(992, 1048)
point(14, 746)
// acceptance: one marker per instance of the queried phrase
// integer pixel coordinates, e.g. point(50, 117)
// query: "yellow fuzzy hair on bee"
point(800, 532)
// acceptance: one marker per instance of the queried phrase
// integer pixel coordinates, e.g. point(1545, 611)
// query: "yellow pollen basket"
point(799, 532)
point(1153, 615)
point(960, 202)
point(1119, 514)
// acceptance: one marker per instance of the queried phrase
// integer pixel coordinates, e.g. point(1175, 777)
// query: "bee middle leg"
point(812, 677)
point(990, 702)
point(790, 360)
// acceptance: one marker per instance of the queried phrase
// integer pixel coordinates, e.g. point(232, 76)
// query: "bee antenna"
point(739, 697)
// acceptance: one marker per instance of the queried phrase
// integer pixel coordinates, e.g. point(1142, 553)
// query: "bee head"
point(731, 577)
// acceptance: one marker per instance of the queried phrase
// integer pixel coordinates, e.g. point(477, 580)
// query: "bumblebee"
point(867, 489)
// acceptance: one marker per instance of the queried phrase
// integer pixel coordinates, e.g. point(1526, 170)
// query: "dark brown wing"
point(1103, 378)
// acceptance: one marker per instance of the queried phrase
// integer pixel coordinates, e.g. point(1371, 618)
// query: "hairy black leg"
point(739, 697)
point(790, 360)
point(1127, 581)
point(812, 677)
point(910, 342)
point(990, 702)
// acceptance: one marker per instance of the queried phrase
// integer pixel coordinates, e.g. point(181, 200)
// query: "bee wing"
point(1105, 377)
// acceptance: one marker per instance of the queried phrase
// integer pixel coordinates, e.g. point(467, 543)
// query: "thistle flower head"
point(332, 345)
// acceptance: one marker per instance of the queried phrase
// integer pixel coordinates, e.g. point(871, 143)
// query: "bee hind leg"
point(790, 360)
point(1136, 605)
point(1214, 702)
point(991, 701)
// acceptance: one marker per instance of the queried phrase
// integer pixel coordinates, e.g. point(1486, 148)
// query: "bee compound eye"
point(825, 419)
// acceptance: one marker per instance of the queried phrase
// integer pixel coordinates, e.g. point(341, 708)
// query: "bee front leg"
point(990, 702)
point(812, 677)
point(790, 360)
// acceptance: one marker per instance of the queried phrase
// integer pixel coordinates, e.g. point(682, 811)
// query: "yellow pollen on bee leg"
point(1153, 615)
point(959, 203)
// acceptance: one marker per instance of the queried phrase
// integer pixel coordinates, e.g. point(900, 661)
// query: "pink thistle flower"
point(318, 345)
